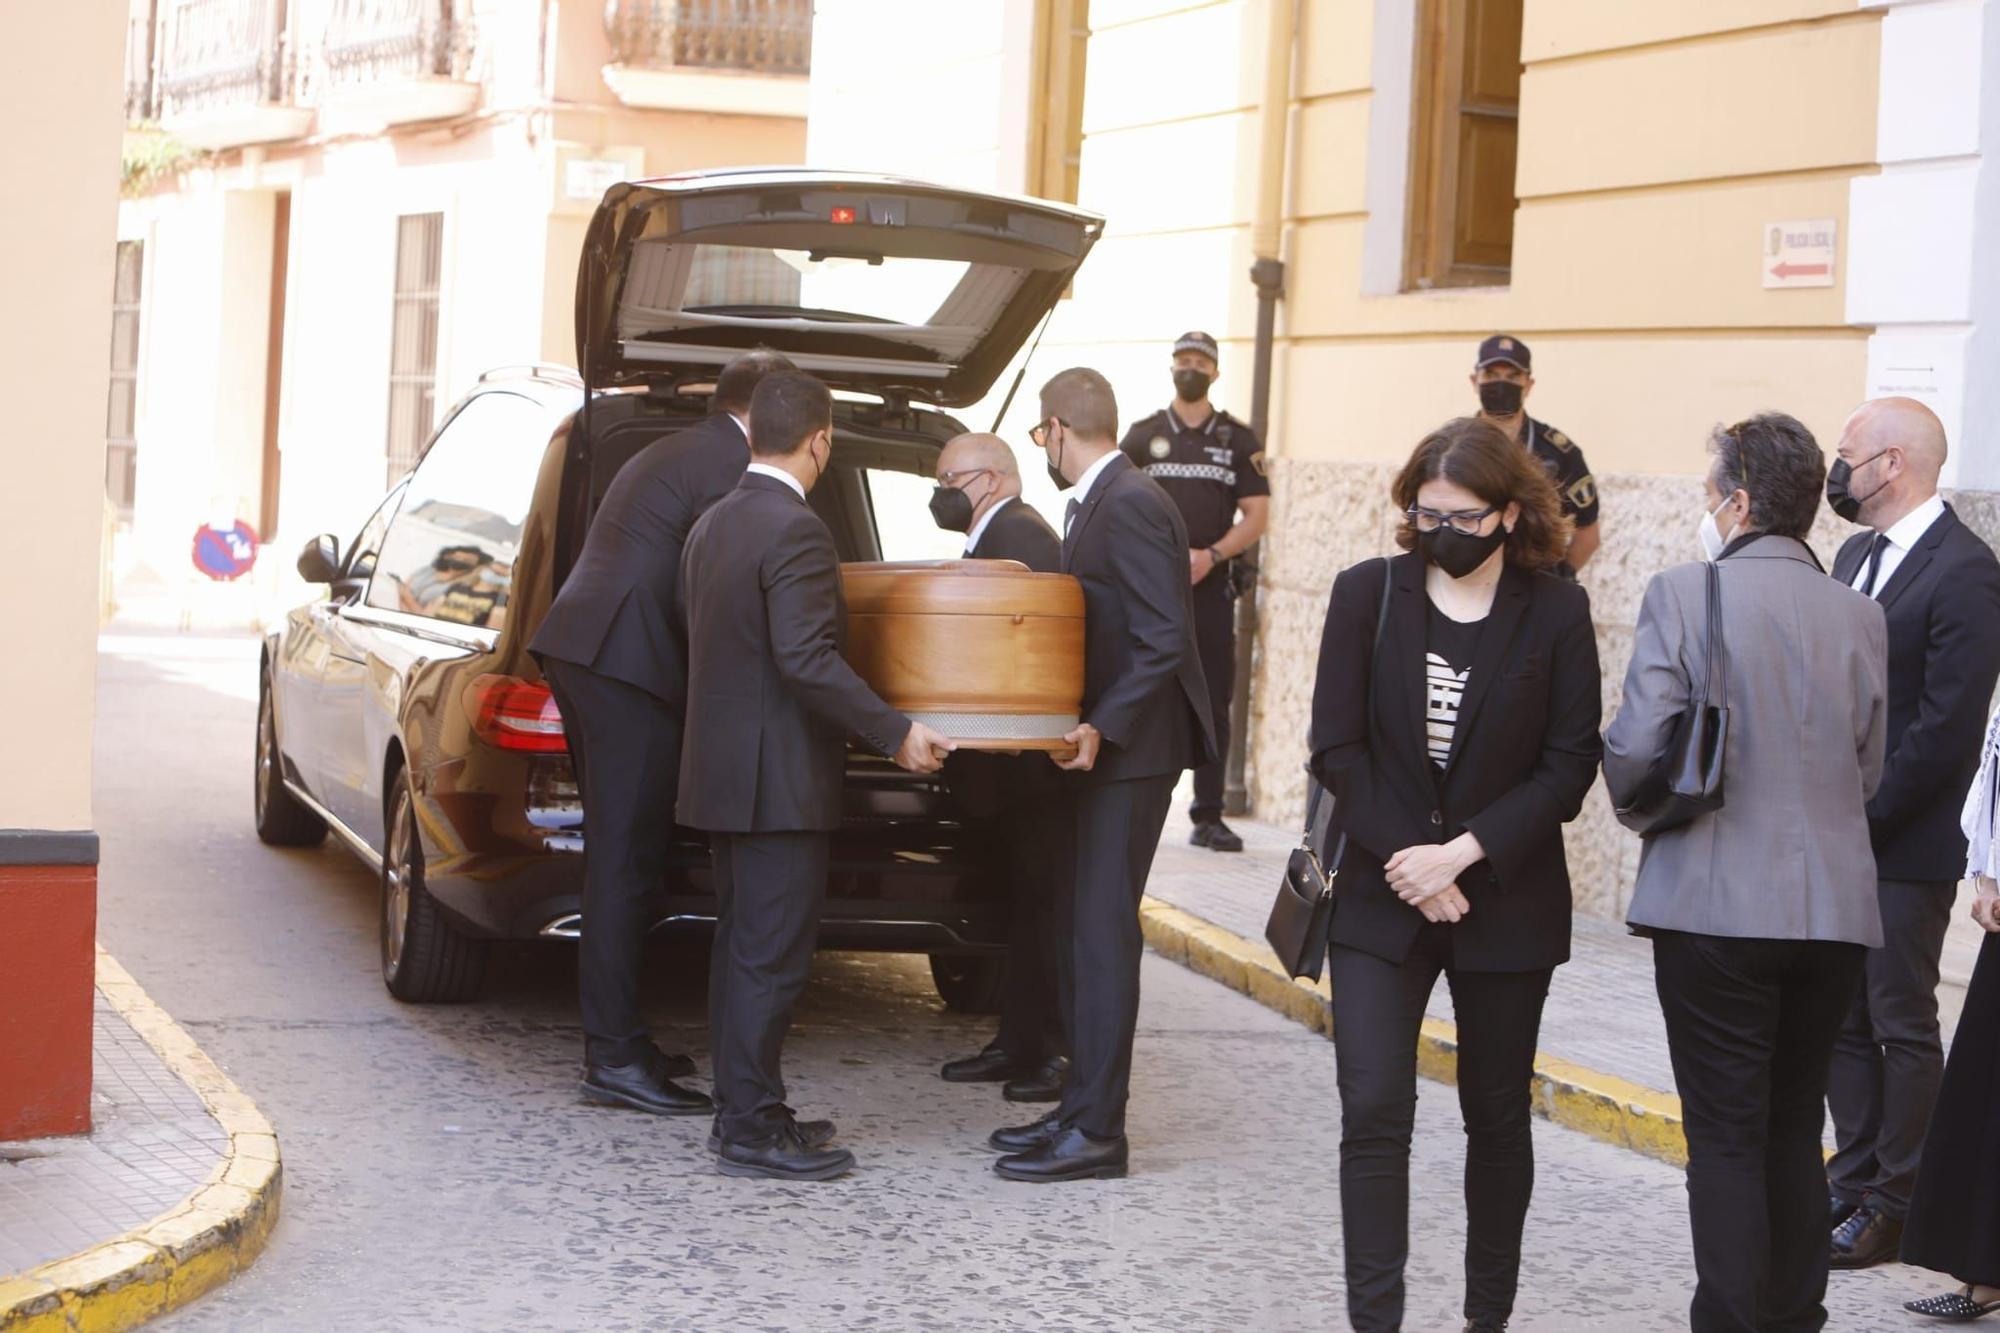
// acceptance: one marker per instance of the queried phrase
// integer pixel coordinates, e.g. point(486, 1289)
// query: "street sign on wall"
point(225, 553)
point(1798, 254)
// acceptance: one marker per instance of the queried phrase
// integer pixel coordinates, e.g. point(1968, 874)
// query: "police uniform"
point(1564, 462)
point(1206, 470)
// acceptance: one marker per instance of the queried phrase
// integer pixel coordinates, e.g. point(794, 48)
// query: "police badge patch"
point(1160, 447)
point(1257, 462)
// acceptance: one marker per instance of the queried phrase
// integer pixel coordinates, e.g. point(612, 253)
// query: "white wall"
point(1922, 253)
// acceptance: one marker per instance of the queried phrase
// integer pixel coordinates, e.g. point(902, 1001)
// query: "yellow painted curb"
point(185, 1252)
point(1601, 1105)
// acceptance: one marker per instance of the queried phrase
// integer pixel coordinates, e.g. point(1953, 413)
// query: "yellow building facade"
point(1602, 180)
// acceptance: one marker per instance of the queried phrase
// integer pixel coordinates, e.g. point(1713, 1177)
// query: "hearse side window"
point(449, 553)
point(361, 556)
point(903, 523)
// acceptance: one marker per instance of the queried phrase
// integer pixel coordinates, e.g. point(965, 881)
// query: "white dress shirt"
point(1903, 537)
point(766, 470)
point(979, 528)
point(1980, 820)
point(1084, 485)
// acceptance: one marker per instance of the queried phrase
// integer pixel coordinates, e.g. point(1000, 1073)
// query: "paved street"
point(439, 1173)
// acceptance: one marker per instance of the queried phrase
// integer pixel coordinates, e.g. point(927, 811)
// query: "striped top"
point(1447, 666)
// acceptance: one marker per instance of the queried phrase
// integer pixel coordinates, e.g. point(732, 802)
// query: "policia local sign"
point(1798, 254)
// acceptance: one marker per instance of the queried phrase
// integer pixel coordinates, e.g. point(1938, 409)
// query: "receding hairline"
point(978, 448)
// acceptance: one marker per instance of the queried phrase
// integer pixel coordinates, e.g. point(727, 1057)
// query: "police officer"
point(1503, 378)
point(1212, 467)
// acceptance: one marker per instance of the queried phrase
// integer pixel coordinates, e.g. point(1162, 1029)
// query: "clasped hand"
point(1426, 876)
point(1986, 905)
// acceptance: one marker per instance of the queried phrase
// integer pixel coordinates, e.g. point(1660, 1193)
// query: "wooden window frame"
point(121, 451)
point(1055, 148)
point(1429, 259)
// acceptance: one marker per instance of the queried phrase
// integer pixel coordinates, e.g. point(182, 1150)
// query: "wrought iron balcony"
point(369, 44)
point(139, 68)
point(216, 54)
point(755, 36)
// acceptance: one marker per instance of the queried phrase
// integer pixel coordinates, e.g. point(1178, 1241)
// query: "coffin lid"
point(958, 587)
point(874, 283)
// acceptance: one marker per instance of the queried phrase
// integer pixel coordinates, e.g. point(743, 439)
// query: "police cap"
point(1504, 347)
point(1194, 340)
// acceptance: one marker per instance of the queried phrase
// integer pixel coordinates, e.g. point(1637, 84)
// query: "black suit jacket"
point(1142, 681)
point(619, 611)
point(1524, 753)
point(1943, 608)
point(770, 700)
point(987, 784)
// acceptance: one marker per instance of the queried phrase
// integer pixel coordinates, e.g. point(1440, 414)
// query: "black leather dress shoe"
point(1838, 1210)
point(1023, 1138)
point(1070, 1154)
point(783, 1156)
point(992, 1065)
point(812, 1133)
point(643, 1086)
point(1866, 1239)
point(1043, 1083)
point(1222, 838)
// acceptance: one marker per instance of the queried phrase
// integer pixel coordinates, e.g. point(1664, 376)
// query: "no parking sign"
point(225, 553)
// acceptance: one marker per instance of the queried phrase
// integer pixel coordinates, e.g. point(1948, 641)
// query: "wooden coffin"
point(986, 651)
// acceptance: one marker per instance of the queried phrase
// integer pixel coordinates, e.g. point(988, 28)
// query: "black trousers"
point(1954, 1224)
point(1378, 1009)
point(1889, 1057)
point(1097, 919)
point(1215, 643)
point(768, 888)
point(1750, 1027)
point(1036, 844)
point(625, 746)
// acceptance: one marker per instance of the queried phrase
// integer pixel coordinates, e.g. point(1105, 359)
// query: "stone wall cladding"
point(1327, 516)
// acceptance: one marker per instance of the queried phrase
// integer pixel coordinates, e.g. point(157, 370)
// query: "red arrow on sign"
point(1790, 270)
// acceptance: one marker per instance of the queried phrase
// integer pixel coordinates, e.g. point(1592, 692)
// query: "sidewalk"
point(172, 1192)
point(1601, 1031)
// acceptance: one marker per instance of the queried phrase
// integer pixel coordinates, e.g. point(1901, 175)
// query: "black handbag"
point(1686, 781)
point(1302, 917)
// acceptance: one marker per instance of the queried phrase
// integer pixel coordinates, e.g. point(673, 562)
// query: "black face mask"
point(1191, 384)
point(1062, 483)
point(1457, 554)
point(1840, 499)
point(1500, 398)
point(952, 508)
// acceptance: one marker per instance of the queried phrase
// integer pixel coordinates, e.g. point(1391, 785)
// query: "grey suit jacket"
point(1788, 856)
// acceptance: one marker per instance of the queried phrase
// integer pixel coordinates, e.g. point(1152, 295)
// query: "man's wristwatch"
point(1216, 556)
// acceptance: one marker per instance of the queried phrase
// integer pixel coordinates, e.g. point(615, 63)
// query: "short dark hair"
point(1082, 400)
point(739, 379)
point(787, 407)
point(1474, 453)
point(1776, 460)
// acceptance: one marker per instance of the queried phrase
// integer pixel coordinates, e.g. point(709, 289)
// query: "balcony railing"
point(139, 68)
point(759, 36)
point(219, 53)
point(373, 42)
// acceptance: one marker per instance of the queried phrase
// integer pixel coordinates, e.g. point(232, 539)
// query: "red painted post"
point(48, 965)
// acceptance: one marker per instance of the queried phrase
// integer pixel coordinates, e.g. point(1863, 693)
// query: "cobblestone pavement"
point(151, 1144)
point(1602, 1012)
point(440, 1173)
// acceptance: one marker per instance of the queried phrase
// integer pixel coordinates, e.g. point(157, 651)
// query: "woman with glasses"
point(1456, 750)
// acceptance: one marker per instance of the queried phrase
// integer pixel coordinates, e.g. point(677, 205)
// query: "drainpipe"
point(1268, 275)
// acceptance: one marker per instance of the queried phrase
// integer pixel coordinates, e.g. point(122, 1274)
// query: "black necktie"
point(1875, 563)
point(1069, 515)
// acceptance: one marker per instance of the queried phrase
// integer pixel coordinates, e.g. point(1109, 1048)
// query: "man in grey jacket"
point(1760, 911)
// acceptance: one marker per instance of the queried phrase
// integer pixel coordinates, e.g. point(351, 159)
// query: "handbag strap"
point(1319, 801)
point(1715, 652)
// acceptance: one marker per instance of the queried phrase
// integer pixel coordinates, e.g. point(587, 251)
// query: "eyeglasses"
point(1464, 522)
point(1041, 433)
point(963, 475)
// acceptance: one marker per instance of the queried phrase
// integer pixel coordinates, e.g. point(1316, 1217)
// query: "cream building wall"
point(512, 235)
point(1656, 142)
point(55, 268)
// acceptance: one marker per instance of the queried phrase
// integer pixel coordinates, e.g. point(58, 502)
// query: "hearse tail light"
point(517, 714)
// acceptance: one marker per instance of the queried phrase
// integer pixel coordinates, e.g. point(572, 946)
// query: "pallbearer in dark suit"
point(1145, 720)
point(1939, 586)
point(1019, 796)
point(613, 648)
point(771, 704)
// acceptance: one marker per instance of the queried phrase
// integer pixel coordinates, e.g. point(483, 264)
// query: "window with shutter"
point(1466, 125)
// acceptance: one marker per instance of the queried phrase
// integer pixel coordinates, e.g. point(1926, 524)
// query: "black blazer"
point(1142, 681)
point(988, 784)
point(1017, 532)
point(1524, 754)
point(1943, 607)
point(619, 610)
point(770, 700)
